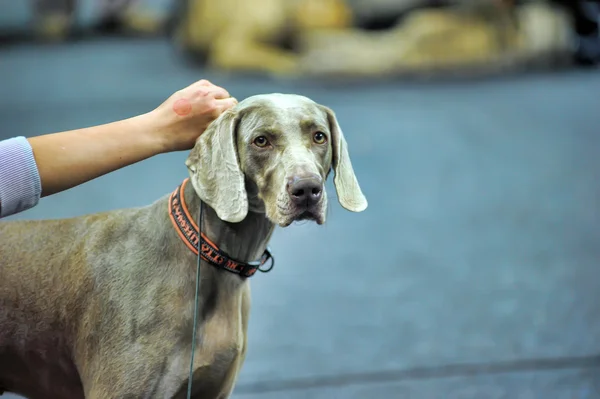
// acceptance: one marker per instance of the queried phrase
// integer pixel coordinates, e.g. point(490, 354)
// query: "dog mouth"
point(306, 215)
point(302, 214)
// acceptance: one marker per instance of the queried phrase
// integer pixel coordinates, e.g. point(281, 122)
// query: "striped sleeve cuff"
point(20, 184)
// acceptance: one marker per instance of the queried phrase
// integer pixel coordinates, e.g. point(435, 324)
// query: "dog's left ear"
point(348, 191)
point(215, 170)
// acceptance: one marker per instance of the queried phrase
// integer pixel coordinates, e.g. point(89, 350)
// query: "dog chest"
point(220, 346)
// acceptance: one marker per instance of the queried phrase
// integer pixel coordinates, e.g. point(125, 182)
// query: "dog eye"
point(320, 138)
point(261, 141)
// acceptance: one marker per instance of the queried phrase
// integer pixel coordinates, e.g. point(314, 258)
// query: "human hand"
point(184, 116)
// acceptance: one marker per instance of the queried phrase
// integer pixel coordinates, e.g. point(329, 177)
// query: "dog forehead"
point(281, 112)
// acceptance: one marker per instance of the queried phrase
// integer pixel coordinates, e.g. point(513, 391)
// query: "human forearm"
point(67, 159)
point(56, 162)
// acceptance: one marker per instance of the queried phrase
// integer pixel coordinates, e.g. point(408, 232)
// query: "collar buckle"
point(249, 269)
point(266, 258)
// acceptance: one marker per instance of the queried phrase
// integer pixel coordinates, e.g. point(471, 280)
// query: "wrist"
point(155, 132)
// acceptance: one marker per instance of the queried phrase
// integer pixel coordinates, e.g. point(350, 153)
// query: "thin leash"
point(207, 251)
point(196, 300)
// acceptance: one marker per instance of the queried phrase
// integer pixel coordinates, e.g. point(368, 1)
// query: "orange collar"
point(189, 233)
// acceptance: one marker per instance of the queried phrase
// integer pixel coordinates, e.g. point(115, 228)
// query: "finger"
point(218, 93)
point(226, 103)
point(204, 82)
point(214, 92)
point(206, 86)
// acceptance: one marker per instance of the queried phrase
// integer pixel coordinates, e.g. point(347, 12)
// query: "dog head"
point(272, 154)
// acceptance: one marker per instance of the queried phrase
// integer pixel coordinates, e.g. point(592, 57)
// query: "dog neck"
point(244, 241)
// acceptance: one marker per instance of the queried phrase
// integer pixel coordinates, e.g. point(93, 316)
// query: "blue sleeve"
point(20, 184)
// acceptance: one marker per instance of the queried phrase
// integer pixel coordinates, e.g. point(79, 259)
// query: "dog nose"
point(305, 190)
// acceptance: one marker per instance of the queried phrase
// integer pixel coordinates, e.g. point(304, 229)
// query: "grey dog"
point(102, 306)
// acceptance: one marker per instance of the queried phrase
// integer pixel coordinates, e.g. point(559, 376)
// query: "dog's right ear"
point(215, 170)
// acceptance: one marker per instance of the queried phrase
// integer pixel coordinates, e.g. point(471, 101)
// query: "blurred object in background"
point(55, 20)
point(367, 11)
point(258, 35)
point(131, 16)
point(343, 38)
point(383, 38)
point(467, 37)
point(586, 15)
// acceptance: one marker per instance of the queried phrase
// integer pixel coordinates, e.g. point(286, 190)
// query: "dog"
point(470, 38)
point(102, 306)
point(257, 36)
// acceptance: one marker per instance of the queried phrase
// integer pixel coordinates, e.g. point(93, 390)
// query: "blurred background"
point(474, 130)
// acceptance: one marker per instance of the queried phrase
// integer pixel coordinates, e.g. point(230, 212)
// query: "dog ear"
point(215, 170)
point(348, 191)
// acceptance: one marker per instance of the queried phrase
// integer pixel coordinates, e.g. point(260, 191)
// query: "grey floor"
point(484, 220)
